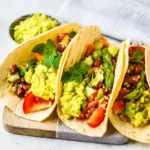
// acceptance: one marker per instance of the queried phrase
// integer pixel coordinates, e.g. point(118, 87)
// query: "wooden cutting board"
point(52, 127)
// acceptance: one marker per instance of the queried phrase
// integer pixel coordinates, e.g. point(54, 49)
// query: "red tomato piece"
point(87, 112)
point(33, 103)
point(97, 117)
point(89, 50)
point(122, 93)
point(118, 106)
point(105, 42)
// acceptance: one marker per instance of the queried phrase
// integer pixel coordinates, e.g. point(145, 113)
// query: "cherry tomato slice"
point(33, 103)
point(87, 112)
point(97, 117)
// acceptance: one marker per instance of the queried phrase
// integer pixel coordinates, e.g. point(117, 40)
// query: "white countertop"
point(10, 10)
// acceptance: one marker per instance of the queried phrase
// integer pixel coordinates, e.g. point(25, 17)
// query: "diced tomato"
point(60, 47)
point(122, 93)
point(105, 42)
point(118, 106)
point(87, 112)
point(89, 50)
point(97, 117)
point(92, 96)
point(33, 103)
point(38, 56)
point(135, 48)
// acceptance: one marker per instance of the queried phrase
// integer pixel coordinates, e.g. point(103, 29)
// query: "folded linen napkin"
point(120, 19)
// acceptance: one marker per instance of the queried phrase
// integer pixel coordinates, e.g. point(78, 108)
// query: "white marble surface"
point(9, 10)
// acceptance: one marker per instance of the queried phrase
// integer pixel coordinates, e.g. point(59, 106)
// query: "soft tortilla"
point(77, 50)
point(141, 134)
point(20, 56)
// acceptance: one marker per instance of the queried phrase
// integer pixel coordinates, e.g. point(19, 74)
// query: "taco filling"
point(132, 104)
point(36, 81)
point(88, 84)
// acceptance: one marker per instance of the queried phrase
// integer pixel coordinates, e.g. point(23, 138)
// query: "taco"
point(86, 82)
point(130, 109)
point(29, 73)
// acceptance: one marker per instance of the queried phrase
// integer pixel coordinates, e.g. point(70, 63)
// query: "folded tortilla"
point(21, 56)
point(141, 134)
point(77, 51)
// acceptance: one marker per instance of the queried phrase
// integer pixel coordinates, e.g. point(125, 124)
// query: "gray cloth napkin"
point(120, 19)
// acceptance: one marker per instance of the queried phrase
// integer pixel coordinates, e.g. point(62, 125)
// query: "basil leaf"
point(48, 60)
point(40, 48)
point(138, 55)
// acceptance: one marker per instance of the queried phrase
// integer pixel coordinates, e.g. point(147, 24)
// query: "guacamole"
point(42, 80)
point(33, 26)
point(73, 98)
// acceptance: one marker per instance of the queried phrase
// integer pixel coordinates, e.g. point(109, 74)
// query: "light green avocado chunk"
point(96, 54)
point(98, 45)
point(89, 91)
point(97, 76)
point(73, 99)
point(13, 77)
point(33, 26)
point(99, 94)
point(89, 61)
point(43, 82)
point(113, 50)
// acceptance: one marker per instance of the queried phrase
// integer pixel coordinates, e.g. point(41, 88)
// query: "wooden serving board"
point(52, 127)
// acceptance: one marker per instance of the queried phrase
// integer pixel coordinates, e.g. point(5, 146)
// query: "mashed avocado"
point(43, 81)
point(32, 27)
point(138, 110)
point(73, 99)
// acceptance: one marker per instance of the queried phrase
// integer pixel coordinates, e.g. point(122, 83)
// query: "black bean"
point(13, 69)
point(20, 91)
point(22, 80)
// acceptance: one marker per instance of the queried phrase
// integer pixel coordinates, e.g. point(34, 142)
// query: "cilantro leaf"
point(51, 45)
point(66, 77)
point(48, 60)
point(57, 61)
point(72, 34)
point(40, 48)
point(138, 55)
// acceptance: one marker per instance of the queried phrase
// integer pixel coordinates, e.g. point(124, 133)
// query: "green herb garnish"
point(75, 73)
point(72, 34)
point(50, 55)
point(138, 55)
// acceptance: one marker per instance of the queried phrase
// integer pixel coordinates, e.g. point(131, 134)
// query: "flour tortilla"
point(77, 51)
point(141, 134)
point(20, 56)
